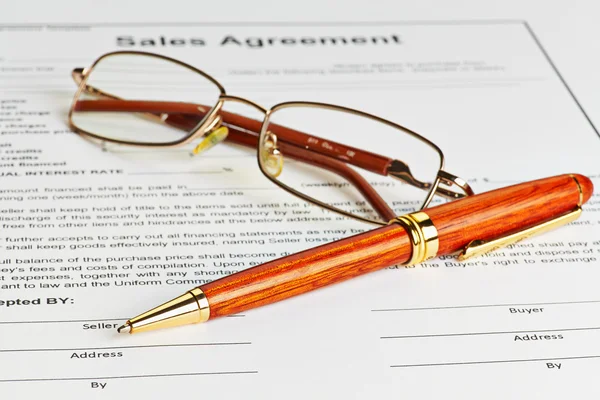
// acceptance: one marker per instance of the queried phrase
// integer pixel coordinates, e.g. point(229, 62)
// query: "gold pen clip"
point(479, 247)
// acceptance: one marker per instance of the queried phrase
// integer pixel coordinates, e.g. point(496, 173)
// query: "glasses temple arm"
point(238, 136)
point(170, 113)
point(369, 161)
point(187, 116)
point(363, 159)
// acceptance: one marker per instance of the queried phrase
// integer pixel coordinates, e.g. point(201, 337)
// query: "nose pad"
point(213, 138)
point(273, 163)
point(271, 157)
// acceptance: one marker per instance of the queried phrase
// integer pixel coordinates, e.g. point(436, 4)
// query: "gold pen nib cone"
point(189, 308)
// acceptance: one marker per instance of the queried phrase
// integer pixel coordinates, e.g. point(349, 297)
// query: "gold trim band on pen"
point(203, 306)
point(423, 236)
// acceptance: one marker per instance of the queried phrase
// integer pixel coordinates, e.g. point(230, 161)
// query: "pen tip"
point(126, 328)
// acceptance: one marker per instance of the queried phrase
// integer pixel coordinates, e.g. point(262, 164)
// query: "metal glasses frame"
point(208, 119)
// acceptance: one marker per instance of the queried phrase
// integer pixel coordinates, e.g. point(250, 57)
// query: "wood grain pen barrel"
point(485, 216)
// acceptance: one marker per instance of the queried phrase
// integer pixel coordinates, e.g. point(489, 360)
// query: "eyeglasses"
point(328, 155)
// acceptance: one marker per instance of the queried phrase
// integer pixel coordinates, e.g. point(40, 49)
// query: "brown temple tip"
point(586, 185)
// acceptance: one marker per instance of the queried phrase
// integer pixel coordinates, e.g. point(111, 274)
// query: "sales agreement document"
point(91, 235)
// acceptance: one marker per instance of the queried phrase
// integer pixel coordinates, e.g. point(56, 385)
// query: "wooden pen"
point(473, 225)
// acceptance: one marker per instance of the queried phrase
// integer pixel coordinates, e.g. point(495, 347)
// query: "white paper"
point(483, 92)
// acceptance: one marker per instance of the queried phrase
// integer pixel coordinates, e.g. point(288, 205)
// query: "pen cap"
point(504, 211)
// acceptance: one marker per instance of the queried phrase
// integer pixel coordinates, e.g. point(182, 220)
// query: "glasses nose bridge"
point(218, 116)
point(242, 100)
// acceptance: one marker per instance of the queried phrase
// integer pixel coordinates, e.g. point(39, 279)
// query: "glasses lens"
point(143, 99)
point(348, 161)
